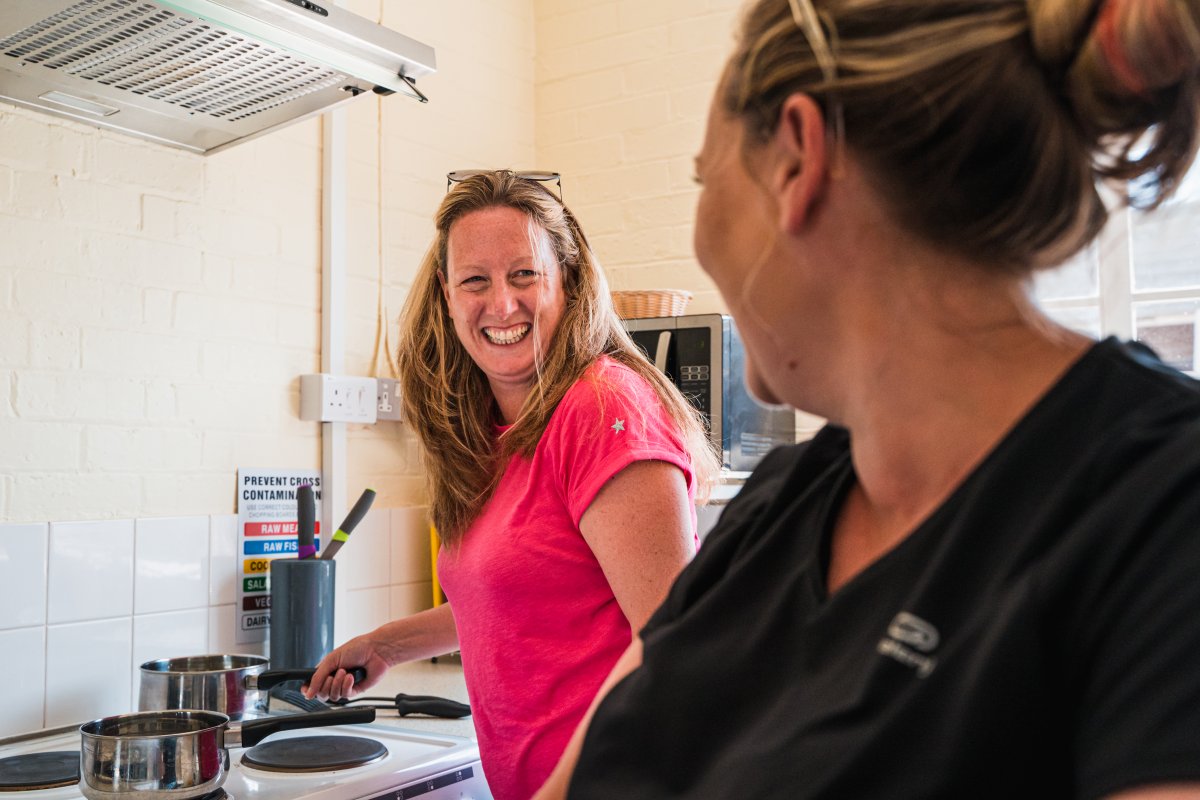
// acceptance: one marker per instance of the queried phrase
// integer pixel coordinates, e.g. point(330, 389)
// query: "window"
point(1139, 280)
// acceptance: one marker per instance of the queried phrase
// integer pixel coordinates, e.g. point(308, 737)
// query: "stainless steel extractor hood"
point(197, 74)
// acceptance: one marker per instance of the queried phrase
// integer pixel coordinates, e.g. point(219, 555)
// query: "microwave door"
point(658, 345)
point(662, 351)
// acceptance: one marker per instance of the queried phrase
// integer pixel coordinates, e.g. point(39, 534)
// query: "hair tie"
point(1107, 35)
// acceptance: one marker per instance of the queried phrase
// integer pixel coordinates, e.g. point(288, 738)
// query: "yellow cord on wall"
point(438, 596)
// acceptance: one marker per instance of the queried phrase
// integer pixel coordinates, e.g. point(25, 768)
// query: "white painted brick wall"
point(622, 93)
point(623, 89)
point(156, 307)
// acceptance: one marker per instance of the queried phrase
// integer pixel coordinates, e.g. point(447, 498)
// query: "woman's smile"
point(507, 336)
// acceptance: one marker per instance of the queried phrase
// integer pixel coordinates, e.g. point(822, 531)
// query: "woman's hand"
point(332, 681)
point(423, 635)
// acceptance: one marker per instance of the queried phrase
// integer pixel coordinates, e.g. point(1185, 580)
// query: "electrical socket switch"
point(387, 399)
point(337, 398)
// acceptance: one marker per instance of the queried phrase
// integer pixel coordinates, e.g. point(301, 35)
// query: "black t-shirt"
point(1037, 636)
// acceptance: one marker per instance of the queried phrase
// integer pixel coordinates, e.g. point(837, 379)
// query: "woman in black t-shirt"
point(979, 580)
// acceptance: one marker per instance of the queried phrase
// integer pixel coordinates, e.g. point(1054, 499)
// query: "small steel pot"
point(176, 755)
point(228, 684)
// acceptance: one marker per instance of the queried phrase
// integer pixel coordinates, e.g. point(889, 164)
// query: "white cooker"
point(417, 764)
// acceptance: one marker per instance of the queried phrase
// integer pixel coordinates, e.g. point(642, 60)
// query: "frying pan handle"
point(251, 733)
point(274, 677)
point(431, 706)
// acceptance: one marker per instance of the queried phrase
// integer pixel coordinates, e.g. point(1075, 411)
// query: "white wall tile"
point(91, 570)
point(223, 567)
point(171, 564)
point(88, 669)
point(23, 558)
point(410, 545)
point(222, 635)
point(169, 635)
point(409, 598)
point(366, 610)
point(365, 558)
point(24, 687)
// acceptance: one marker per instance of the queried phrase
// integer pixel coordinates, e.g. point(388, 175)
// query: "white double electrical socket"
point(337, 398)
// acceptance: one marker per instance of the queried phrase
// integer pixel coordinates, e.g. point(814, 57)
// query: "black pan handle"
point(406, 704)
point(431, 706)
point(251, 733)
point(274, 677)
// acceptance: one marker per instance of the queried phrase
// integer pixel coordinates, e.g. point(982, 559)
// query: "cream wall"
point(623, 88)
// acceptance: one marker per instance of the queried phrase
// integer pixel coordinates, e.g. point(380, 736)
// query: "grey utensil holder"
point(301, 611)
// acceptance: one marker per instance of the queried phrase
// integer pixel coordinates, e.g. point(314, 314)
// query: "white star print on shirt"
point(618, 425)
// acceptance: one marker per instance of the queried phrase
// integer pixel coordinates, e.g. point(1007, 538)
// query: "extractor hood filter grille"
point(149, 51)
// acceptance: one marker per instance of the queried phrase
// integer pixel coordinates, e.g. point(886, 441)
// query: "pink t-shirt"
point(538, 626)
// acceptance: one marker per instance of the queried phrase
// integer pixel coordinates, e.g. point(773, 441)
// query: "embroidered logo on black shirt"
point(906, 635)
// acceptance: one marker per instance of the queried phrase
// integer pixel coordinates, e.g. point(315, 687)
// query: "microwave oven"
point(703, 356)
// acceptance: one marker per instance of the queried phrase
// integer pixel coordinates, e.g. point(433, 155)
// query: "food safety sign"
point(267, 530)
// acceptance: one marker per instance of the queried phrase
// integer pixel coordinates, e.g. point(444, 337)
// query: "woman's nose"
point(503, 300)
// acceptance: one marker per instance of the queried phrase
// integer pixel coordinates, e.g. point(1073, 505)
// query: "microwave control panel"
point(693, 356)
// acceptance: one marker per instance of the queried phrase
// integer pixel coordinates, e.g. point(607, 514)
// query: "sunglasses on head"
point(540, 176)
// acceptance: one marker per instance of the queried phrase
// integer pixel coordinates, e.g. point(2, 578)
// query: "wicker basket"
point(651, 303)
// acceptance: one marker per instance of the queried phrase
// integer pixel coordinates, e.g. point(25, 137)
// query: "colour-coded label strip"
point(273, 547)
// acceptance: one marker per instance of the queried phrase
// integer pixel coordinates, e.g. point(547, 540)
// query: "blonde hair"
point(987, 123)
point(446, 397)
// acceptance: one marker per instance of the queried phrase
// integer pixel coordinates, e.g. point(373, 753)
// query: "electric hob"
point(382, 762)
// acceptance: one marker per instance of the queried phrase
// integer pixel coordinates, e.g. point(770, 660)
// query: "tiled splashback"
point(82, 604)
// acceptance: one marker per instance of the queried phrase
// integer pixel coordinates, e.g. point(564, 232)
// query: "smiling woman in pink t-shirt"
point(562, 473)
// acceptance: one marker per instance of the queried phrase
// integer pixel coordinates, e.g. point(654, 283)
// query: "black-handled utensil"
point(306, 522)
point(255, 731)
point(405, 704)
point(349, 524)
point(274, 677)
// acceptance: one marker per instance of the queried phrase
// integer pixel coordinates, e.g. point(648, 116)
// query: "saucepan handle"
point(274, 677)
point(251, 733)
point(431, 706)
point(406, 704)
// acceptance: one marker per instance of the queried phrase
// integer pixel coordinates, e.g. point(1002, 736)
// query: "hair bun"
point(1127, 67)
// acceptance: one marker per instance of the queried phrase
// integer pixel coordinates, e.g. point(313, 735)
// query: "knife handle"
point(306, 521)
point(350, 523)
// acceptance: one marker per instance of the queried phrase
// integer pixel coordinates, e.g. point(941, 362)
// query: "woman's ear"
point(801, 168)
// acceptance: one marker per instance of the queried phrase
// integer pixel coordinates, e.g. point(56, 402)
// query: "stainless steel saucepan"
point(177, 755)
point(228, 684)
